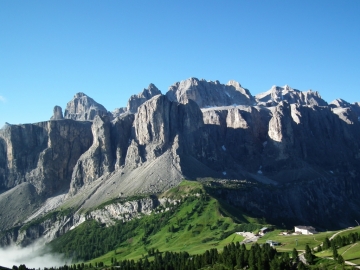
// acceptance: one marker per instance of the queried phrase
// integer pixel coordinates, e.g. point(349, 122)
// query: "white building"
point(305, 230)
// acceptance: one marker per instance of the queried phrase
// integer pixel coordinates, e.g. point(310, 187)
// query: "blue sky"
point(50, 50)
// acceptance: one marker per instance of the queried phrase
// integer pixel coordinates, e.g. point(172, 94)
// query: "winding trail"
point(346, 262)
point(349, 248)
point(302, 257)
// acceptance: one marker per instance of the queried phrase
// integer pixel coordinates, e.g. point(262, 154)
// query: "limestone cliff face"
point(280, 130)
point(43, 154)
point(121, 137)
point(133, 141)
point(98, 160)
point(83, 108)
point(209, 94)
point(160, 122)
point(283, 143)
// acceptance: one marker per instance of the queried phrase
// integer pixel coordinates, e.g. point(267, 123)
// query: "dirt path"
point(346, 262)
point(335, 234)
point(349, 248)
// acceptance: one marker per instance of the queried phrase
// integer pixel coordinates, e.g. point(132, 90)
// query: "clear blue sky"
point(50, 50)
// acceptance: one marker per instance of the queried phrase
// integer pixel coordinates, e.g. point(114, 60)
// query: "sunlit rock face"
point(209, 94)
point(277, 94)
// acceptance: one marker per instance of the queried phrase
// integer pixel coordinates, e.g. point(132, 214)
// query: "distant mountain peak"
point(277, 94)
point(84, 108)
point(136, 100)
point(209, 93)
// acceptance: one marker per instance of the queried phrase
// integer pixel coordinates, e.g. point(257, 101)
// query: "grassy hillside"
point(194, 223)
point(349, 252)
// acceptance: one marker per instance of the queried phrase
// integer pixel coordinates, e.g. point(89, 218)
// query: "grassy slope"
point(350, 253)
point(207, 226)
point(288, 242)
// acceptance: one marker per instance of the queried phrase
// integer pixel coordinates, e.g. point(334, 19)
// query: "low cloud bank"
point(33, 256)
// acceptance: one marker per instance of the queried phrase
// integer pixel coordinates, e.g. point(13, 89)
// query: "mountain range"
point(283, 155)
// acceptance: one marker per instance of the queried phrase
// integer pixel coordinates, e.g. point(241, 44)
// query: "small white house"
point(305, 230)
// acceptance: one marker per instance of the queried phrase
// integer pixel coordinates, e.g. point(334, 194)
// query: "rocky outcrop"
point(136, 100)
point(118, 112)
point(277, 94)
point(209, 94)
point(83, 108)
point(57, 223)
point(57, 114)
point(346, 111)
point(125, 211)
point(339, 103)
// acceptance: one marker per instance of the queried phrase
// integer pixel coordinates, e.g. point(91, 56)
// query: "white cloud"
point(32, 256)
point(2, 99)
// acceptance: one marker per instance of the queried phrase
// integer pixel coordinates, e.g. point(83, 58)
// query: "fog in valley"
point(33, 256)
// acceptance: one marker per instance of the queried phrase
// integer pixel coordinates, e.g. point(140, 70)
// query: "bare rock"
point(277, 94)
point(339, 103)
point(136, 100)
point(98, 160)
point(209, 94)
point(121, 133)
point(280, 130)
point(84, 108)
point(43, 154)
point(118, 112)
point(57, 114)
point(159, 121)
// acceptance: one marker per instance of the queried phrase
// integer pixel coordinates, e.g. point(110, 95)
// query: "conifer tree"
point(308, 255)
point(295, 255)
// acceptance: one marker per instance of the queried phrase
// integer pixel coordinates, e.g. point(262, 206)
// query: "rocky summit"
point(298, 155)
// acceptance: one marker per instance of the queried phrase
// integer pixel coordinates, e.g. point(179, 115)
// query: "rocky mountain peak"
point(136, 100)
point(84, 108)
point(233, 83)
point(151, 91)
point(57, 113)
point(80, 95)
point(6, 125)
point(208, 93)
point(277, 94)
point(339, 103)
